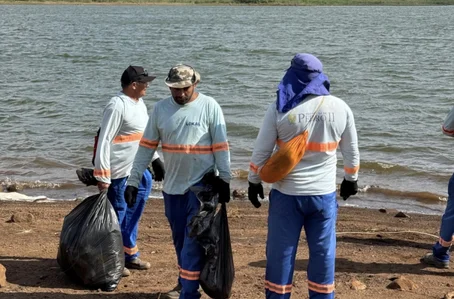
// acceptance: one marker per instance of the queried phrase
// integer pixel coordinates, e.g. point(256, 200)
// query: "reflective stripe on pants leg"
point(284, 227)
point(320, 228)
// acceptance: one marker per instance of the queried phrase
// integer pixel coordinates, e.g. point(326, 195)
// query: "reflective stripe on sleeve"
point(351, 170)
point(103, 173)
point(219, 147)
point(446, 131)
point(254, 167)
point(151, 144)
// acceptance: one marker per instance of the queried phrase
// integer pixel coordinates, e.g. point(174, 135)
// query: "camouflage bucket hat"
point(181, 76)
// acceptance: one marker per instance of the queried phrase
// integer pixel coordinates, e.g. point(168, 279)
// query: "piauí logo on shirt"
point(304, 117)
point(292, 118)
point(193, 123)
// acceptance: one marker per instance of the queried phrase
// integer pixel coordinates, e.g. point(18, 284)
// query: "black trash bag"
point(210, 227)
point(91, 246)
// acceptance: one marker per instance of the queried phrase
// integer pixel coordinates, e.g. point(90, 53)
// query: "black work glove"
point(223, 190)
point(158, 170)
point(219, 186)
point(348, 188)
point(131, 195)
point(86, 176)
point(253, 192)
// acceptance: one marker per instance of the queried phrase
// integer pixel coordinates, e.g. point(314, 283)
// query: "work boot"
point(432, 260)
point(173, 294)
point(126, 272)
point(137, 264)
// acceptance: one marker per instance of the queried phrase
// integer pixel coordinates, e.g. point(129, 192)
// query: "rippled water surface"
point(392, 65)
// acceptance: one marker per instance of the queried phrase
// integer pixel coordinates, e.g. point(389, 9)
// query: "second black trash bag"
point(91, 246)
point(211, 229)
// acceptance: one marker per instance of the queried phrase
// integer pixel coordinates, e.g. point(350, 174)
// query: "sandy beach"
point(373, 249)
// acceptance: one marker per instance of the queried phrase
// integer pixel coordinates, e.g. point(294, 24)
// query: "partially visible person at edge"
point(440, 251)
point(306, 197)
point(192, 130)
point(123, 123)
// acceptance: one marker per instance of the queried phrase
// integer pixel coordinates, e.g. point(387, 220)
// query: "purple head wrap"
point(303, 78)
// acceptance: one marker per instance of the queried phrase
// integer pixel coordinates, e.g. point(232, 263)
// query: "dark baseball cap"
point(135, 74)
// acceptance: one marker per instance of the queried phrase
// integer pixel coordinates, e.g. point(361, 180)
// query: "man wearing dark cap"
point(192, 132)
point(123, 123)
point(304, 195)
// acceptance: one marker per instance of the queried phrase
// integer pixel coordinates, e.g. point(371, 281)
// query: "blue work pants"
point(129, 217)
point(286, 217)
point(179, 210)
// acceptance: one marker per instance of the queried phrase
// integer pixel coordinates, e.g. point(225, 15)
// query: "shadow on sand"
point(349, 266)
point(381, 241)
point(46, 273)
point(47, 295)
point(36, 272)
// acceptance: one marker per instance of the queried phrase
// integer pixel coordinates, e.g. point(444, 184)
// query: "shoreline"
point(368, 197)
point(372, 248)
point(362, 200)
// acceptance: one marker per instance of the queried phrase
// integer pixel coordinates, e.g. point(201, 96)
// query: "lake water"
point(392, 65)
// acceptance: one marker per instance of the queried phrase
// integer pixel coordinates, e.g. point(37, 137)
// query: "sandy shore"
point(368, 250)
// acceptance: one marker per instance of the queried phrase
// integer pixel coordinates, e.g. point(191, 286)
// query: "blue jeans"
point(441, 248)
point(129, 217)
point(287, 216)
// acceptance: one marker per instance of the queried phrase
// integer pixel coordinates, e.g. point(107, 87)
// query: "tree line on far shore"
point(252, 2)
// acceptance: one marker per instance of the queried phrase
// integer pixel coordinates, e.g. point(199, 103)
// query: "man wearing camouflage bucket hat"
point(193, 136)
point(182, 76)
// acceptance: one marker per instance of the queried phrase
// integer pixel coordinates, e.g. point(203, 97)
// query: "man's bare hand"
point(103, 186)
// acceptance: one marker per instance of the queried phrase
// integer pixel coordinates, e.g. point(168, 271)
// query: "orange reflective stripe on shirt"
point(187, 149)
point(131, 251)
point(104, 173)
point(320, 288)
point(279, 289)
point(254, 167)
point(222, 146)
point(128, 138)
point(189, 275)
point(350, 170)
point(321, 146)
point(316, 146)
point(152, 144)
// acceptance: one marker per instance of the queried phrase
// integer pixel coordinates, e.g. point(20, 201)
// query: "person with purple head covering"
point(305, 197)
